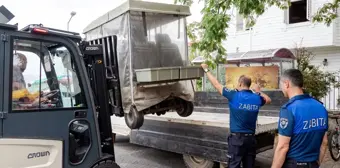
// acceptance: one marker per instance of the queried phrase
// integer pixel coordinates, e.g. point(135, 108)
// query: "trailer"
point(202, 137)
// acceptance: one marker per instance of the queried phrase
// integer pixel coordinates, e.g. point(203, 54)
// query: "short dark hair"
point(295, 76)
point(246, 81)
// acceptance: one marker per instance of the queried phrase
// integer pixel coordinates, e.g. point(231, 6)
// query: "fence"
point(330, 101)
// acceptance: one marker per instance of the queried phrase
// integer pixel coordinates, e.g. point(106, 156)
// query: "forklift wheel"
point(134, 119)
point(186, 108)
point(106, 164)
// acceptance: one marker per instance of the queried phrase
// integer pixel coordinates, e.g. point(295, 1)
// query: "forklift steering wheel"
point(50, 94)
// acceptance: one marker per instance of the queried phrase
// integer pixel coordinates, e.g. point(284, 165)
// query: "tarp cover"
point(161, 42)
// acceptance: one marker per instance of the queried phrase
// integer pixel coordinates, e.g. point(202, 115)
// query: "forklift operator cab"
point(48, 117)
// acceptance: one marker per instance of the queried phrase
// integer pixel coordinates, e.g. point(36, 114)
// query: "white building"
point(278, 28)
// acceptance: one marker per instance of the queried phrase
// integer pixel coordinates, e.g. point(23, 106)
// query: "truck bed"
point(202, 134)
point(264, 123)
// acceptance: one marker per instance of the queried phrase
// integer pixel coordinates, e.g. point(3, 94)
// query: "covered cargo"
point(152, 56)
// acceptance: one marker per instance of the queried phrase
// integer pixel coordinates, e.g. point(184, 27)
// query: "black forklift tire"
point(196, 162)
point(106, 164)
point(134, 119)
point(186, 108)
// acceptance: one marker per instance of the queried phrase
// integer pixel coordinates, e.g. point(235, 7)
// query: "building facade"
point(278, 28)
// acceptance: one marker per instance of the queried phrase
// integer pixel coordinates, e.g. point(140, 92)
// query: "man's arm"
point(227, 93)
point(281, 151)
point(323, 148)
point(285, 127)
point(266, 98)
point(213, 80)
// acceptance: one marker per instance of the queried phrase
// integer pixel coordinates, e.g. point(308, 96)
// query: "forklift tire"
point(134, 119)
point(197, 162)
point(186, 108)
point(106, 164)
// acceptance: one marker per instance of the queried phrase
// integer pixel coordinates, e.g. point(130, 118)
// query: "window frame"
point(309, 7)
point(72, 54)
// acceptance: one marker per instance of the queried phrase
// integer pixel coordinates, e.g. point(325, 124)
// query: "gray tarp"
point(161, 44)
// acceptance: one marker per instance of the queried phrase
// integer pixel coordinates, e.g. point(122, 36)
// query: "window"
point(299, 11)
point(44, 76)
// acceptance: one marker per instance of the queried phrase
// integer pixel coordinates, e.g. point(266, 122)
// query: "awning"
point(260, 56)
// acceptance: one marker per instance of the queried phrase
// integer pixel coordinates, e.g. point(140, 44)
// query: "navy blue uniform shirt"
point(244, 107)
point(305, 120)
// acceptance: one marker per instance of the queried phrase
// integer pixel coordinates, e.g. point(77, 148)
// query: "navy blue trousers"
point(241, 150)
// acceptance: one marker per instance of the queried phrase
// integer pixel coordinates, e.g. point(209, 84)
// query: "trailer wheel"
point(106, 164)
point(134, 119)
point(186, 108)
point(197, 162)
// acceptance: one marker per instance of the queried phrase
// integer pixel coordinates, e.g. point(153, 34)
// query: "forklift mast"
point(105, 86)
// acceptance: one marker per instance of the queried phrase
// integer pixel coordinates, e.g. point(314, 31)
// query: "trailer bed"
point(264, 123)
point(202, 134)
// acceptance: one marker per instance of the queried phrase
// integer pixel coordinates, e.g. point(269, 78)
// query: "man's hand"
point(256, 88)
point(204, 66)
point(42, 100)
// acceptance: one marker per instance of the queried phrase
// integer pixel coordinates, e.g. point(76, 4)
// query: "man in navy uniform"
point(244, 105)
point(303, 123)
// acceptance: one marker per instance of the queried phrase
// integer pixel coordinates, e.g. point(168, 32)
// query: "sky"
point(56, 13)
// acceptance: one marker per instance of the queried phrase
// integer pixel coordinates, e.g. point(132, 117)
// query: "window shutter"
point(309, 8)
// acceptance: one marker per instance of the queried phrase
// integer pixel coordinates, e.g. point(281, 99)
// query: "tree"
point(316, 82)
point(207, 36)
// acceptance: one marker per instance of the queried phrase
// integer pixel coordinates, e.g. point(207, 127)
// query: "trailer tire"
point(134, 119)
point(106, 164)
point(197, 162)
point(186, 108)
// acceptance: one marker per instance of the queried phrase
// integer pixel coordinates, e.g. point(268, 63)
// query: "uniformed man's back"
point(309, 127)
point(302, 126)
point(244, 108)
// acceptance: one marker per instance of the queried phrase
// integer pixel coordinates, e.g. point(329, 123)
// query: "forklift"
point(70, 126)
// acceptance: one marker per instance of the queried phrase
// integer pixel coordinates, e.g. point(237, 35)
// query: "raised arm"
point(212, 79)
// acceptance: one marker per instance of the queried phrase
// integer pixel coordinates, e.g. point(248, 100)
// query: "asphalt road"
point(134, 156)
